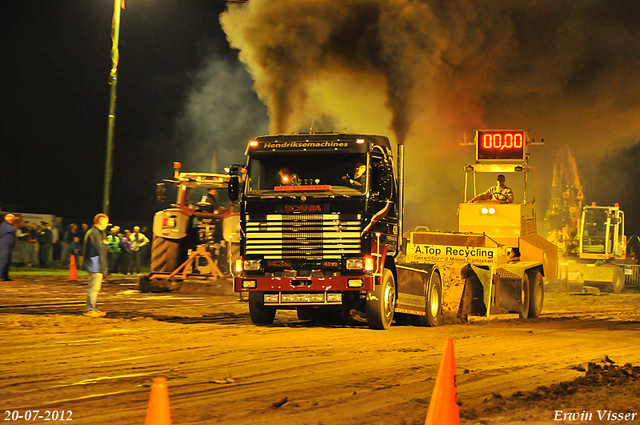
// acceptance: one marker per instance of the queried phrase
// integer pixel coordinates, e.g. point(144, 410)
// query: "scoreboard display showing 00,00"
point(501, 144)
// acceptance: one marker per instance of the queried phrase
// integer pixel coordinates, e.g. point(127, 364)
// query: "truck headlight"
point(354, 263)
point(334, 297)
point(249, 284)
point(252, 264)
point(271, 298)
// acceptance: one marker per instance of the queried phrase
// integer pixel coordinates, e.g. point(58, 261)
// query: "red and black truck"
point(321, 226)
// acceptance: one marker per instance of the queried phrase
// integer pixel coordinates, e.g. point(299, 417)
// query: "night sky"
point(55, 101)
point(568, 72)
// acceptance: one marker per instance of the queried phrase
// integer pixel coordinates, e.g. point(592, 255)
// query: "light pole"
point(113, 80)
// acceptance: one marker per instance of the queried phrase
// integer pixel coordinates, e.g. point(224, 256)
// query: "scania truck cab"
point(319, 222)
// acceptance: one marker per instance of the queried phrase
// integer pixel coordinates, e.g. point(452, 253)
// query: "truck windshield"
point(309, 172)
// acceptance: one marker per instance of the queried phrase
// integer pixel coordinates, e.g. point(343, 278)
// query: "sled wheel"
point(536, 299)
point(524, 297)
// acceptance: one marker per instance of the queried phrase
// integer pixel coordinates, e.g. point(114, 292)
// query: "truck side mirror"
point(161, 192)
point(234, 188)
point(385, 181)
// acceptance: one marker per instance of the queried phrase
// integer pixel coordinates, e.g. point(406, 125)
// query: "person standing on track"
point(45, 239)
point(138, 240)
point(95, 262)
point(7, 242)
point(125, 252)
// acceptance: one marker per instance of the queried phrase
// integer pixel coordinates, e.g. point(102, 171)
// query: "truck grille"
point(302, 236)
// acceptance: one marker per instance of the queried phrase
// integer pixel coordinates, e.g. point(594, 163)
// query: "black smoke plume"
point(429, 70)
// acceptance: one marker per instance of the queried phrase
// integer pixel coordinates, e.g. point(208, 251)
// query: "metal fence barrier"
point(631, 274)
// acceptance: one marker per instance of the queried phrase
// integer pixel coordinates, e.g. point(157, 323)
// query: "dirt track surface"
point(222, 369)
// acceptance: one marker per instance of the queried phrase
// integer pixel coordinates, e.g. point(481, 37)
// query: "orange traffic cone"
point(443, 407)
point(158, 412)
point(73, 271)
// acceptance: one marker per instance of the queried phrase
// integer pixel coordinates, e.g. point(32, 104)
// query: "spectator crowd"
point(50, 244)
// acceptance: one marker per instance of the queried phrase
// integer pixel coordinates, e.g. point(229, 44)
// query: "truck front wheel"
point(260, 315)
point(165, 254)
point(434, 301)
point(537, 294)
point(382, 302)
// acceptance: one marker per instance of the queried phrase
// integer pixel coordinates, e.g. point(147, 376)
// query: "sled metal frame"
point(199, 252)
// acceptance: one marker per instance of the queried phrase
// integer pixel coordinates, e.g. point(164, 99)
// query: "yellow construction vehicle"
point(590, 239)
point(601, 246)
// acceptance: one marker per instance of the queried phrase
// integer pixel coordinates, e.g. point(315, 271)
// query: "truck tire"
point(165, 254)
point(260, 315)
point(618, 280)
point(382, 303)
point(304, 313)
point(433, 307)
point(536, 299)
point(525, 296)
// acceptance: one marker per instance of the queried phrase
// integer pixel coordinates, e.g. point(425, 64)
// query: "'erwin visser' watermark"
point(602, 415)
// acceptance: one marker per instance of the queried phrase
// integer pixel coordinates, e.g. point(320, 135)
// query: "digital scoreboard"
point(509, 145)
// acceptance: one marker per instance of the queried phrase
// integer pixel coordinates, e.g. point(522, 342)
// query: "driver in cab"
point(358, 179)
point(499, 194)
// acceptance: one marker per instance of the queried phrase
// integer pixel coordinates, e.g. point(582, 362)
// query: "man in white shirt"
point(499, 193)
point(138, 240)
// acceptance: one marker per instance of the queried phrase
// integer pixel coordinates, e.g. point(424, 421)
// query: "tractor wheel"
point(434, 301)
point(536, 298)
point(165, 254)
point(382, 303)
point(525, 296)
point(260, 315)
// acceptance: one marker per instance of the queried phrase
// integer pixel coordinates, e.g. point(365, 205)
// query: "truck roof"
point(321, 137)
point(207, 180)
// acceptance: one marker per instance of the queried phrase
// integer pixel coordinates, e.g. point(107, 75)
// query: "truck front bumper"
point(303, 284)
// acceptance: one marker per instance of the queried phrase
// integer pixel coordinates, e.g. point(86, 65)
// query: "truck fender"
point(386, 262)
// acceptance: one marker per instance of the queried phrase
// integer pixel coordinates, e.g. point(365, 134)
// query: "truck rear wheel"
point(537, 294)
point(525, 297)
point(434, 301)
point(260, 315)
point(165, 254)
point(382, 303)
